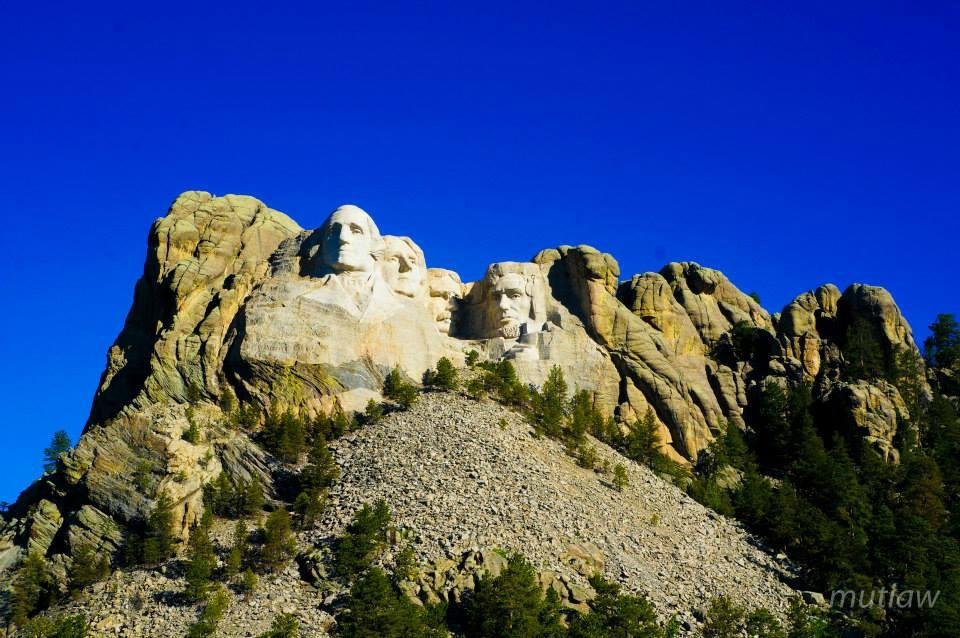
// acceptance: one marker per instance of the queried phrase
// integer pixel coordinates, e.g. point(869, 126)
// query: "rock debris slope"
point(461, 474)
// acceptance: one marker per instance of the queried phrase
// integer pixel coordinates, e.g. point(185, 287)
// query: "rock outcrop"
point(203, 260)
point(236, 300)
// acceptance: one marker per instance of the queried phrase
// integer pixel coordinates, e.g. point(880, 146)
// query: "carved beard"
point(510, 331)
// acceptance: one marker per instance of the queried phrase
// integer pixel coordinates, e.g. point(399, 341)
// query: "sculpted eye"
point(356, 229)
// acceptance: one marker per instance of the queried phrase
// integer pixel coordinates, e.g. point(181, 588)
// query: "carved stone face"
point(349, 240)
point(514, 302)
point(403, 266)
point(445, 290)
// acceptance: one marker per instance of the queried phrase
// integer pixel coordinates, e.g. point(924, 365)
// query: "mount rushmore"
point(237, 299)
point(234, 294)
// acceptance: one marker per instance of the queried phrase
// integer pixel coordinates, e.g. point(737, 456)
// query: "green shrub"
point(620, 479)
point(472, 357)
point(74, 626)
point(284, 626)
point(475, 388)
point(447, 378)
point(249, 582)
point(211, 615)
point(405, 566)
point(724, 619)
point(32, 589)
point(373, 413)
point(86, 568)
point(397, 389)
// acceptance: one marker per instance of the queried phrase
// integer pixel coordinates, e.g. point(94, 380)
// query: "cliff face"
point(237, 299)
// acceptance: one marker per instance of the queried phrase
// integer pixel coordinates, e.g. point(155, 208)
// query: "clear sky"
point(787, 144)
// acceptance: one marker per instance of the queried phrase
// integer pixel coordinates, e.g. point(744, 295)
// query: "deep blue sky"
point(788, 144)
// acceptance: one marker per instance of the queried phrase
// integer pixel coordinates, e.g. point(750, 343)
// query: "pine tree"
point(31, 588)
point(309, 505)
point(238, 553)
point(641, 441)
point(86, 569)
point(376, 609)
point(363, 539)
point(201, 560)
point(616, 615)
point(942, 347)
point(284, 626)
point(620, 479)
point(279, 543)
point(550, 409)
point(59, 444)
point(211, 615)
point(446, 378)
point(158, 536)
point(321, 470)
point(511, 605)
point(862, 354)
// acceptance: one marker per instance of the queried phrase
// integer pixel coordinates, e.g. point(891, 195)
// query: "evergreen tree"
point(616, 615)
point(239, 550)
point(192, 433)
point(641, 443)
point(201, 560)
point(158, 541)
point(376, 609)
point(365, 536)
point(393, 382)
point(309, 505)
point(942, 347)
point(86, 568)
point(284, 626)
point(32, 588)
point(211, 615)
point(862, 353)
point(446, 378)
point(551, 403)
point(59, 444)
point(249, 582)
point(279, 543)
point(620, 479)
point(373, 412)
point(724, 619)
point(511, 605)
point(472, 357)
point(321, 470)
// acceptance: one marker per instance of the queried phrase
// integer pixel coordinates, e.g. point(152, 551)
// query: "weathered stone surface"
point(713, 304)
point(580, 280)
point(871, 412)
point(203, 259)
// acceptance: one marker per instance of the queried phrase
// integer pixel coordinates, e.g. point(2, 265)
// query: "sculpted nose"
point(504, 302)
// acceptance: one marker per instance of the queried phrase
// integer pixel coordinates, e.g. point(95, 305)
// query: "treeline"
point(854, 521)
